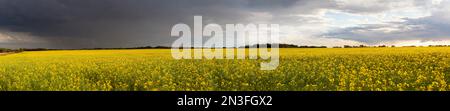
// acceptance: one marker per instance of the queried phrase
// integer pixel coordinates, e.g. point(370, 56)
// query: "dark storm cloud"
point(130, 23)
point(118, 23)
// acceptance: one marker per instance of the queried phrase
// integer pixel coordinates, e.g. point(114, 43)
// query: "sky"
point(133, 23)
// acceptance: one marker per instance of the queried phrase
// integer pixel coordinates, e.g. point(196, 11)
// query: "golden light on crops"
point(377, 69)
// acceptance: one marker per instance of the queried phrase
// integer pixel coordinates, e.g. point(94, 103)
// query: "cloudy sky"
point(130, 23)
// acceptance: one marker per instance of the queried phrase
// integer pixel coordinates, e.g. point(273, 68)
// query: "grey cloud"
point(117, 23)
point(377, 6)
point(126, 23)
point(430, 28)
point(426, 29)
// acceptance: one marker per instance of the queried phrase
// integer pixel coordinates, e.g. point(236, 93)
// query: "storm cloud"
point(131, 23)
point(119, 23)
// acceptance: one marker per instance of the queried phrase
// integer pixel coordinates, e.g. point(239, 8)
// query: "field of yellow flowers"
point(373, 69)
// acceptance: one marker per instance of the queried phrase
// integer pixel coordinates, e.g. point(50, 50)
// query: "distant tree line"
point(345, 46)
point(283, 46)
point(5, 50)
point(145, 47)
point(293, 46)
point(439, 46)
point(362, 46)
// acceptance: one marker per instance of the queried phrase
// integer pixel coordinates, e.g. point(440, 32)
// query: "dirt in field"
point(3, 54)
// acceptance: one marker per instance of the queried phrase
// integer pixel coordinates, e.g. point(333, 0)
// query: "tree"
point(3, 50)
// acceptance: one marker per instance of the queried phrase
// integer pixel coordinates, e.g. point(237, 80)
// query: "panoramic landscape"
point(187, 45)
point(230, 55)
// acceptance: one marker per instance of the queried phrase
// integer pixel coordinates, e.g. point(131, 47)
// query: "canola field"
point(349, 69)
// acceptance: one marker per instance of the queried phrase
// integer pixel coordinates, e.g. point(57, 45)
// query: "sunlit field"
point(373, 69)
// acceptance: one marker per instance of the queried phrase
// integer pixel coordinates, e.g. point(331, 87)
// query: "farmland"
point(300, 69)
